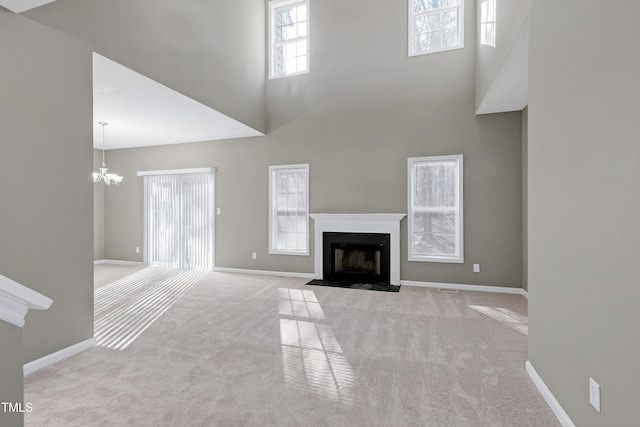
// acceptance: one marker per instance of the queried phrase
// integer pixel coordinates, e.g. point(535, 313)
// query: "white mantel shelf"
point(359, 223)
point(16, 300)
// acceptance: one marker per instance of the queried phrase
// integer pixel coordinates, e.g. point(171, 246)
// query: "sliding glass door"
point(179, 218)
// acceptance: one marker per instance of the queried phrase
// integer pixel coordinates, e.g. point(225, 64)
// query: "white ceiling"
point(19, 6)
point(142, 112)
point(510, 89)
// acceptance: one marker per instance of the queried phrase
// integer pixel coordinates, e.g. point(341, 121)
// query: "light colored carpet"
point(229, 350)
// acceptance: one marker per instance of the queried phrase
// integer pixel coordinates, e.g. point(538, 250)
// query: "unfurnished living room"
point(319, 212)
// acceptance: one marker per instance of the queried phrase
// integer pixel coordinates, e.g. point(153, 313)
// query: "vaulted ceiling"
point(142, 112)
point(19, 6)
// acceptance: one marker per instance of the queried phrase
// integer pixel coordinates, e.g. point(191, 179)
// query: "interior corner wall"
point(98, 210)
point(525, 195)
point(46, 214)
point(511, 15)
point(11, 376)
point(363, 109)
point(584, 226)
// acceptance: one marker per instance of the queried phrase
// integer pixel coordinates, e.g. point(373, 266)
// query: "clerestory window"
point(288, 37)
point(435, 26)
point(488, 23)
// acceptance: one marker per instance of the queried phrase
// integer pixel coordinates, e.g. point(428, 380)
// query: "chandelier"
point(108, 178)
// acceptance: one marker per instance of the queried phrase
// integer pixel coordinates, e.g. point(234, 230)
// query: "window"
point(488, 23)
point(289, 209)
point(288, 37)
point(435, 26)
point(435, 209)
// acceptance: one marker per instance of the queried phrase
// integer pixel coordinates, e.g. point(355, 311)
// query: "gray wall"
point(184, 45)
point(525, 201)
point(46, 214)
point(584, 226)
point(98, 210)
point(510, 17)
point(11, 377)
point(355, 118)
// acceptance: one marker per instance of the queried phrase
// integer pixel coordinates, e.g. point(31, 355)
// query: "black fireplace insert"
point(356, 257)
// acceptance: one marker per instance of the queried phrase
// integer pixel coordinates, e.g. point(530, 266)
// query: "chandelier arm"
point(107, 178)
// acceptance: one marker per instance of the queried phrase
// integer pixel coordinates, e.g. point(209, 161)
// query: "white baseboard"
point(59, 355)
point(264, 272)
point(560, 414)
point(463, 287)
point(525, 293)
point(118, 262)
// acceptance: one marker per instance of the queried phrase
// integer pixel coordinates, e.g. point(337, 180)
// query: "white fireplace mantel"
point(359, 223)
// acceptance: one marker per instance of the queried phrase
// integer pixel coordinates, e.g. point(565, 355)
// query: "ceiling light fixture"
point(108, 178)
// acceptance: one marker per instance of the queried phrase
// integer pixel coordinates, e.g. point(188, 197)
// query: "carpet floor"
point(180, 348)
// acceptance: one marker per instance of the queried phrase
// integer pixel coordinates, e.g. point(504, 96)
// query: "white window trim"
point(411, 34)
point(273, 5)
point(459, 258)
point(176, 171)
point(272, 220)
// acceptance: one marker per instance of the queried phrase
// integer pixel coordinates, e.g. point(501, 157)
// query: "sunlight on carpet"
point(113, 292)
point(120, 327)
point(506, 317)
point(299, 303)
point(311, 354)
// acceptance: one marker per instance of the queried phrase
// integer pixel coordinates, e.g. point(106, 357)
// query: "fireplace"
point(358, 225)
point(356, 257)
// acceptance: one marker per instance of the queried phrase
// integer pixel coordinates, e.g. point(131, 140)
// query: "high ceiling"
point(19, 6)
point(142, 112)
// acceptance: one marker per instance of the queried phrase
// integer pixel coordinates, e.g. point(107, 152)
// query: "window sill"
point(437, 259)
point(299, 73)
point(274, 252)
point(411, 54)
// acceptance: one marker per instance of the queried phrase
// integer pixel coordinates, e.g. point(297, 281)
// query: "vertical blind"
point(179, 220)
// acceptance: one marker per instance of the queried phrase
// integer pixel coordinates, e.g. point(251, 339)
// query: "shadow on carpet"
point(384, 287)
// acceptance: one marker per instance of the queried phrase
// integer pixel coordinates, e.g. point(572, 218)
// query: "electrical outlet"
point(476, 268)
point(594, 394)
point(254, 255)
point(218, 211)
point(137, 249)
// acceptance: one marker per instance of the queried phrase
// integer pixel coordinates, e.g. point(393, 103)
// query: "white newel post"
point(359, 223)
